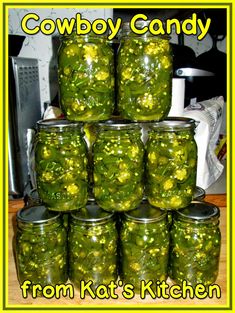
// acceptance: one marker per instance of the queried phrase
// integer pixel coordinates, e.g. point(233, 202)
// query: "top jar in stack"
point(144, 75)
point(86, 77)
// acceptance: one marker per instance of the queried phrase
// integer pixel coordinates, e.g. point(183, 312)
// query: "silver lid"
point(199, 211)
point(199, 194)
point(174, 123)
point(146, 213)
point(36, 215)
point(91, 213)
point(118, 124)
point(57, 123)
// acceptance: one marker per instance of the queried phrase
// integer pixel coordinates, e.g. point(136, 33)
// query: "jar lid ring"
point(37, 214)
point(199, 211)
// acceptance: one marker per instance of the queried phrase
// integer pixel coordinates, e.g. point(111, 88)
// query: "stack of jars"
point(119, 171)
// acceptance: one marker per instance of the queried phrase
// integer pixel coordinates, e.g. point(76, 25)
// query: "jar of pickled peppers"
point(118, 154)
point(61, 165)
point(195, 244)
point(144, 75)
point(171, 163)
point(86, 77)
point(41, 246)
point(144, 245)
point(92, 246)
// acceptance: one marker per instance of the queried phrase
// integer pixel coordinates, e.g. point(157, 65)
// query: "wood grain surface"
point(15, 295)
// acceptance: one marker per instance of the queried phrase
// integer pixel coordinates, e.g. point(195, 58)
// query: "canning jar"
point(195, 244)
point(144, 245)
point(118, 165)
point(41, 246)
point(92, 246)
point(61, 165)
point(171, 163)
point(86, 77)
point(144, 75)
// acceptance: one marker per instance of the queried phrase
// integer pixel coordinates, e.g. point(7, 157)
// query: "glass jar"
point(144, 75)
point(86, 77)
point(195, 244)
point(61, 165)
point(171, 163)
point(118, 165)
point(92, 246)
point(41, 246)
point(144, 245)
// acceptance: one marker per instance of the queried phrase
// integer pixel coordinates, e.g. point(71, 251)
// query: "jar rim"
point(91, 213)
point(57, 122)
point(173, 124)
point(143, 214)
point(199, 211)
point(37, 214)
point(118, 124)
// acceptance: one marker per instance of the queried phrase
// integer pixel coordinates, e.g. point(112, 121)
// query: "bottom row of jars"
point(143, 244)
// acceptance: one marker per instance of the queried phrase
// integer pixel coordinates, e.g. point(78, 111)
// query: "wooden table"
point(15, 296)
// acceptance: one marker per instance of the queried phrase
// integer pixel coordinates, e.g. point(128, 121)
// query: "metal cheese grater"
point(24, 112)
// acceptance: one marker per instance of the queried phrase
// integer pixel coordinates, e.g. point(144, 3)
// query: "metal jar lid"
point(37, 214)
point(174, 124)
point(199, 211)
point(145, 213)
point(92, 213)
point(58, 124)
point(118, 124)
point(199, 194)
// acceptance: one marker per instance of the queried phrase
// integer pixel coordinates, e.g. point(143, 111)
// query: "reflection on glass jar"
point(118, 166)
point(86, 77)
point(41, 246)
point(61, 165)
point(144, 75)
point(144, 245)
point(195, 244)
point(171, 163)
point(92, 246)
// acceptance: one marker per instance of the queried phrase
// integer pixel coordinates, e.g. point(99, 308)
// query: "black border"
point(5, 164)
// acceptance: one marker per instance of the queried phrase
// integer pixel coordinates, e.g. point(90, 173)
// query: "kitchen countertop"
point(15, 297)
